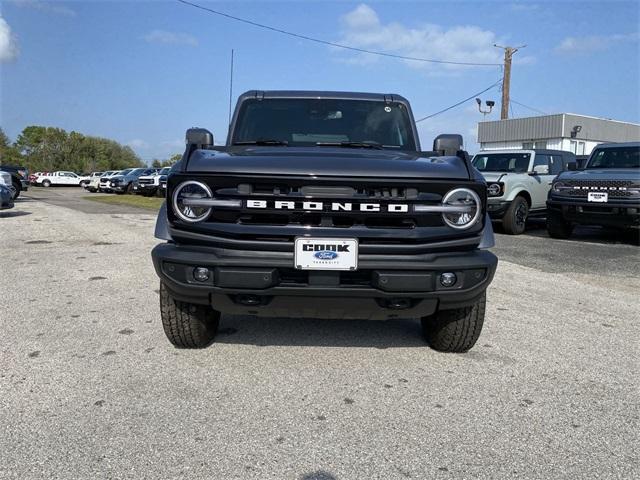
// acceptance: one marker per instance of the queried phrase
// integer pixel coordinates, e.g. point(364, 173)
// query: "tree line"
point(46, 149)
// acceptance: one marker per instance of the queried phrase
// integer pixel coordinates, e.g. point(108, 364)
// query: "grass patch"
point(150, 203)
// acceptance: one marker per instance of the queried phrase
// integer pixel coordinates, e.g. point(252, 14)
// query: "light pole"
point(489, 103)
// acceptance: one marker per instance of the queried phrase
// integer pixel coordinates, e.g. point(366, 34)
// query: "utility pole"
point(506, 78)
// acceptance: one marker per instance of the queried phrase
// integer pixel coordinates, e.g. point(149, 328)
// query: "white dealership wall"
point(555, 132)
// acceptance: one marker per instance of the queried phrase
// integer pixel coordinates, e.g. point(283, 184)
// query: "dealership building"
point(564, 131)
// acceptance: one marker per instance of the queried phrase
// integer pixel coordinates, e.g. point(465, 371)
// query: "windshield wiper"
point(262, 141)
point(366, 144)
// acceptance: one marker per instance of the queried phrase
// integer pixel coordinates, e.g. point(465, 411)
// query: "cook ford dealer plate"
point(326, 253)
point(601, 197)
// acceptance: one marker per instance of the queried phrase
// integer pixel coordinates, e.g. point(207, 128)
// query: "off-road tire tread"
point(508, 221)
point(455, 330)
point(187, 325)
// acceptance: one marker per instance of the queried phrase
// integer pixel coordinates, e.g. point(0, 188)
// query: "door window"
point(557, 165)
point(541, 160)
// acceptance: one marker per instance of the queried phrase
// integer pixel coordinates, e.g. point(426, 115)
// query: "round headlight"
point(494, 189)
point(467, 208)
point(191, 190)
point(559, 187)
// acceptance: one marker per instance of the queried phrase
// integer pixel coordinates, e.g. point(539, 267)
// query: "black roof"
point(320, 94)
point(618, 145)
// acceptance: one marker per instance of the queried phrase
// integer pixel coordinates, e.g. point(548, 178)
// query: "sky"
point(142, 72)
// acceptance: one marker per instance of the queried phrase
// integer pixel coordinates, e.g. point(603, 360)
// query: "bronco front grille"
point(615, 188)
point(262, 215)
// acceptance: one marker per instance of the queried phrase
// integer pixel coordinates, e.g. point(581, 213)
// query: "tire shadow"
point(10, 213)
point(271, 331)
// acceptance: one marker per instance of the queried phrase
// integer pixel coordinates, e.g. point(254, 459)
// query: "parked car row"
point(142, 181)
point(59, 178)
point(604, 191)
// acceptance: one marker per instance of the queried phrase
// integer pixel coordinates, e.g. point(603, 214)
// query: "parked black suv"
point(19, 178)
point(321, 204)
point(606, 192)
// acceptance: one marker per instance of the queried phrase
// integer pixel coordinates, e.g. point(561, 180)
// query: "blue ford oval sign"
point(325, 255)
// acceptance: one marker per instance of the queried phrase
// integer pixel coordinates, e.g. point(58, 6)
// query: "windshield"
point(124, 172)
point(617, 157)
point(502, 162)
point(164, 171)
point(306, 121)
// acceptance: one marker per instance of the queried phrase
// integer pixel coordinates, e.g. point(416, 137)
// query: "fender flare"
point(162, 224)
point(488, 239)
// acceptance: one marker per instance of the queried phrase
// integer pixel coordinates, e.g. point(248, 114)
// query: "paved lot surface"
point(90, 388)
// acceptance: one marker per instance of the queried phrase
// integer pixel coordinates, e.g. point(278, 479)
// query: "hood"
point(602, 174)
point(326, 161)
point(497, 176)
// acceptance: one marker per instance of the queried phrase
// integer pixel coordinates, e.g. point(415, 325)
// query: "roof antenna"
point(231, 87)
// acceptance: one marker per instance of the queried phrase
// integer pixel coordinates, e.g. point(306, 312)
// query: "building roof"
point(558, 126)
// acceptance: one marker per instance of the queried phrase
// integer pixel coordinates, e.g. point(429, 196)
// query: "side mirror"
point(199, 138)
point(448, 143)
point(572, 166)
point(541, 170)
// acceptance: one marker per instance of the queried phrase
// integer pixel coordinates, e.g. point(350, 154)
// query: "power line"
point(333, 44)
point(530, 108)
point(460, 102)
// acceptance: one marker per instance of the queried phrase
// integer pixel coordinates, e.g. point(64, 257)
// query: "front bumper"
point(497, 208)
point(143, 188)
point(265, 283)
point(615, 213)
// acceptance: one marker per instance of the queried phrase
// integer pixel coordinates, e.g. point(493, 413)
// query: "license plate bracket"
point(598, 197)
point(315, 253)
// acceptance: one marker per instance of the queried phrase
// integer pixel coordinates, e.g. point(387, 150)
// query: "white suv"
point(518, 182)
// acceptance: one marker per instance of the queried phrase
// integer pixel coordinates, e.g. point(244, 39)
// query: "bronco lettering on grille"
point(333, 206)
point(599, 188)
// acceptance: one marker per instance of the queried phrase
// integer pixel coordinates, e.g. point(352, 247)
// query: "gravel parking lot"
point(91, 388)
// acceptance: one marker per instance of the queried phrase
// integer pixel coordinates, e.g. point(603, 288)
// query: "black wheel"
point(557, 226)
point(129, 189)
point(46, 183)
point(17, 188)
point(187, 325)
point(455, 330)
point(515, 219)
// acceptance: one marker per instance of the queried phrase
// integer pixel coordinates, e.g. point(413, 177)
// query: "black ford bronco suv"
point(605, 193)
point(321, 204)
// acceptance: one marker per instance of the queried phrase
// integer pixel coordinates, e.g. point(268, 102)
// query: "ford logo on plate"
point(325, 255)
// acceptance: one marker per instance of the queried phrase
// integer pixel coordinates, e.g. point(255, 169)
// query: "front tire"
point(46, 183)
point(514, 221)
point(17, 188)
point(187, 325)
point(455, 330)
point(557, 226)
